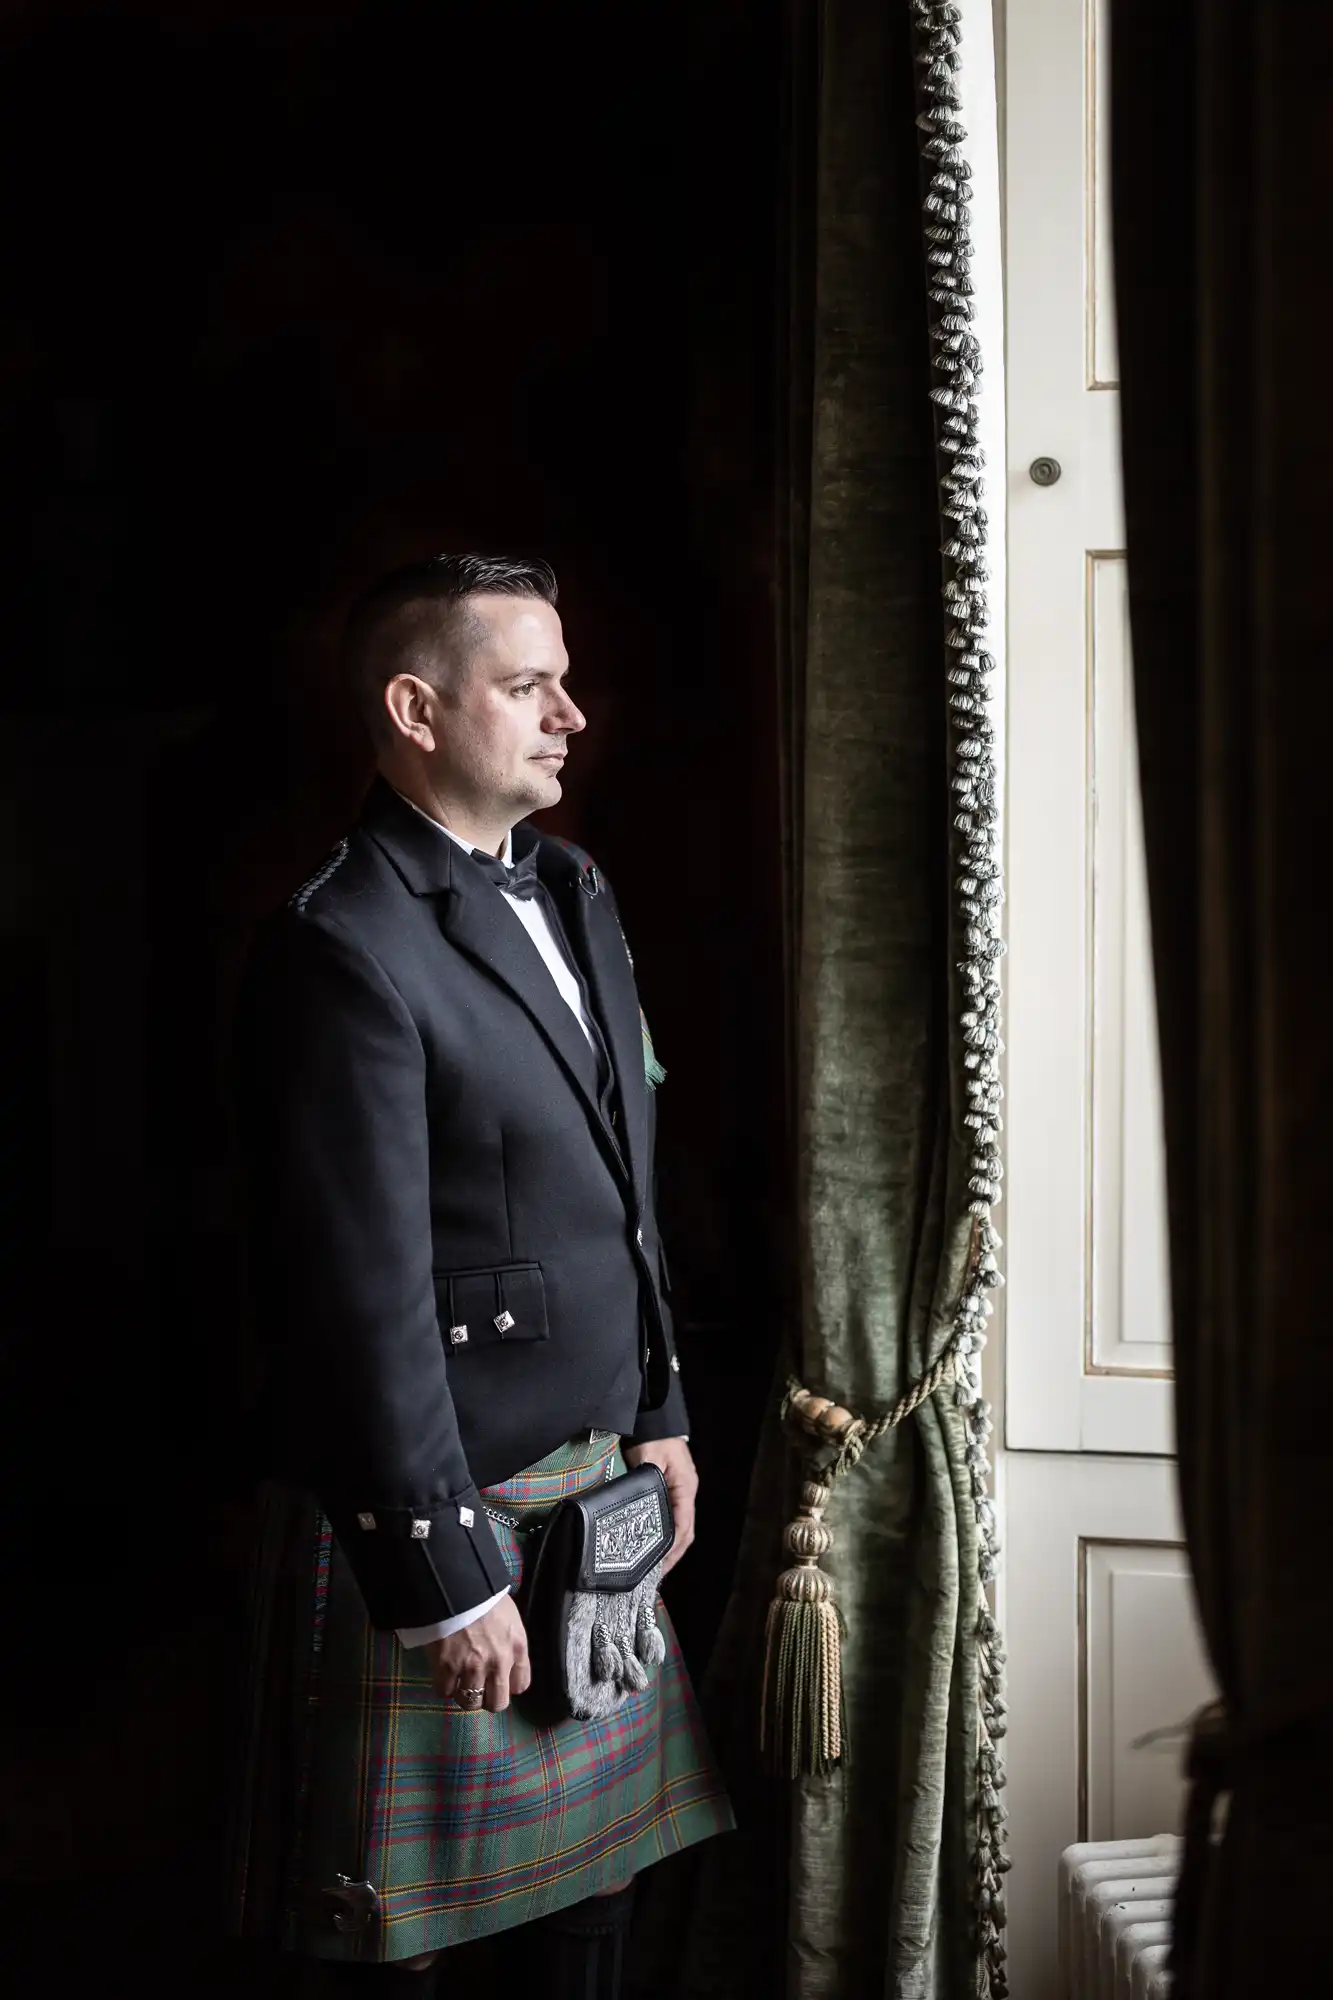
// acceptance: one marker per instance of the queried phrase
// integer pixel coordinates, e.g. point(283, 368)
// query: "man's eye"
point(525, 687)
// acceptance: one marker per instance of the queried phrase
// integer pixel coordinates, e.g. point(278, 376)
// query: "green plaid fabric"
point(463, 1823)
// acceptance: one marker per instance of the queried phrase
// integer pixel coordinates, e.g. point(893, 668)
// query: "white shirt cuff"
point(421, 1635)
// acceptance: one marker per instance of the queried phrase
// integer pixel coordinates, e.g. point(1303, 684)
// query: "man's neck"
point(490, 835)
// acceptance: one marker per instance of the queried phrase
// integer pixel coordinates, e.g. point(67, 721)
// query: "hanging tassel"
point(606, 1660)
point(633, 1673)
point(801, 1727)
point(648, 1641)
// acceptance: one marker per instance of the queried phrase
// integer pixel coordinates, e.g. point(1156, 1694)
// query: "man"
point(446, 1115)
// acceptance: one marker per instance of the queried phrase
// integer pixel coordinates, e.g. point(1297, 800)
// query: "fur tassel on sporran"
point(801, 1723)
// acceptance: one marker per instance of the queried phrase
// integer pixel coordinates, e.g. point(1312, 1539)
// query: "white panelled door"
point(1101, 1635)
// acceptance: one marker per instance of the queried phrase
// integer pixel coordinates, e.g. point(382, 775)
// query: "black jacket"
point(427, 1151)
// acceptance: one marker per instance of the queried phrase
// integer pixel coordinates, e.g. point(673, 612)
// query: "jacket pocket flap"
point(498, 1305)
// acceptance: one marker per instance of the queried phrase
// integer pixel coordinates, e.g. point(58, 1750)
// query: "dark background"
point(292, 293)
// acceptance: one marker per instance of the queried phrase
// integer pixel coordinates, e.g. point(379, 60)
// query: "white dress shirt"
point(531, 913)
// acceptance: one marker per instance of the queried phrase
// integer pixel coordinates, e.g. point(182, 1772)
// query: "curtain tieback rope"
point(801, 1725)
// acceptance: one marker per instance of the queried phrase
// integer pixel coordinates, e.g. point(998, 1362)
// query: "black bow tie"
point(521, 880)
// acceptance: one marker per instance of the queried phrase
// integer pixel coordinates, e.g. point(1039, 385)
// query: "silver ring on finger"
point(470, 1697)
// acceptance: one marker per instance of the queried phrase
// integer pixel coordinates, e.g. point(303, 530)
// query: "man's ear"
point(409, 705)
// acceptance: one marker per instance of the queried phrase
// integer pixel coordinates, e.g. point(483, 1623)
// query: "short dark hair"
point(416, 620)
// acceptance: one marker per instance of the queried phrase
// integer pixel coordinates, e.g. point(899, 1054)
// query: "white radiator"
point(1116, 1898)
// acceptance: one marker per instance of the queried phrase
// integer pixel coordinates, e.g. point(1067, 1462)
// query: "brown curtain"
point(1223, 189)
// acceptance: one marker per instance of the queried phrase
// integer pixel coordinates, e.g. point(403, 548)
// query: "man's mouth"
point(550, 757)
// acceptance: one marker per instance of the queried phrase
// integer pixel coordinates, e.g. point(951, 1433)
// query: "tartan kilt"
point(465, 1823)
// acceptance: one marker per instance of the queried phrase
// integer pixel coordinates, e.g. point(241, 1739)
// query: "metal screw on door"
point(1044, 471)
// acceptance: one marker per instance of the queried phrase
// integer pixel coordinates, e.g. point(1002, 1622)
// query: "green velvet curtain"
point(880, 1879)
point(1222, 190)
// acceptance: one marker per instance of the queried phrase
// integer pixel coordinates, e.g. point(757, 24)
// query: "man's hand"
point(490, 1654)
point(676, 1461)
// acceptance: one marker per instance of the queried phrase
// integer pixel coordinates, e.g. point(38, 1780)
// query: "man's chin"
point(542, 789)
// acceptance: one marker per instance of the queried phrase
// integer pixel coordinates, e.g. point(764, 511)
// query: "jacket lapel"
point(475, 918)
point(478, 921)
point(598, 943)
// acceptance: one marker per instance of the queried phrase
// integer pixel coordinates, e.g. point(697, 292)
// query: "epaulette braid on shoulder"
point(320, 876)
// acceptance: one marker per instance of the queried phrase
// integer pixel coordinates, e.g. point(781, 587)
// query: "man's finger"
point(684, 1540)
point(497, 1693)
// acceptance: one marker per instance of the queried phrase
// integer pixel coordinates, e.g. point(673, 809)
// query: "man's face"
point(505, 723)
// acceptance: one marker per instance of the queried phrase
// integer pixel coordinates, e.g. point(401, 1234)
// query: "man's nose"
point(567, 717)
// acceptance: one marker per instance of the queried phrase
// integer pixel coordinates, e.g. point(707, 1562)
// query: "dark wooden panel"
point(291, 293)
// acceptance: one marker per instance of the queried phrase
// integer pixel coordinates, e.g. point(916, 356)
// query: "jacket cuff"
point(420, 1566)
point(671, 1420)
